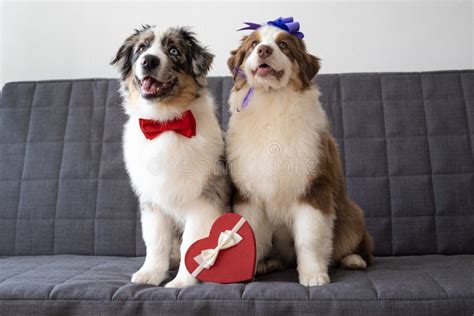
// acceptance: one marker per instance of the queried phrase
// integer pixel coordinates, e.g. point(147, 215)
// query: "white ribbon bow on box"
point(227, 239)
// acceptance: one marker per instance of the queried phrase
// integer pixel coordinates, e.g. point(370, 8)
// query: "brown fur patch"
point(193, 59)
point(175, 256)
point(327, 193)
point(238, 197)
point(239, 55)
point(308, 65)
point(185, 92)
point(295, 81)
point(366, 248)
point(327, 179)
point(217, 188)
point(269, 265)
point(133, 91)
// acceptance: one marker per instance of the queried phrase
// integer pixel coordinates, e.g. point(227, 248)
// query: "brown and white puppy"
point(180, 181)
point(285, 163)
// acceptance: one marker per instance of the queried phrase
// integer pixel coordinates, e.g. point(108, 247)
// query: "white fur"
point(277, 61)
point(313, 235)
point(169, 174)
point(155, 49)
point(273, 149)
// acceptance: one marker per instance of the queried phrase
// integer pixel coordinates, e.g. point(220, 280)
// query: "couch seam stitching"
point(373, 286)
point(79, 274)
point(388, 167)
point(470, 132)
point(348, 176)
point(100, 165)
point(433, 196)
point(339, 91)
point(246, 300)
point(132, 219)
point(23, 167)
point(60, 167)
point(91, 150)
point(27, 271)
point(437, 283)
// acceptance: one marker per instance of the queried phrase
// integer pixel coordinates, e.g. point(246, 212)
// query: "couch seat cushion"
point(74, 284)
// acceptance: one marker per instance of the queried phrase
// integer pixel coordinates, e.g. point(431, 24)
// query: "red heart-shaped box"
point(234, 264)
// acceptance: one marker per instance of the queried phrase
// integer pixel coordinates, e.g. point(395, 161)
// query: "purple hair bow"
point(286, 24)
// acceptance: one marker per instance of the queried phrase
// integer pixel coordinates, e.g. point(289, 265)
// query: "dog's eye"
point(282, 45)
point(141, 48)
point(173, 51)
point(254, 43)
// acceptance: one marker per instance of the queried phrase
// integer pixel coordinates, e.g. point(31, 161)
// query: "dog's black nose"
point(150, 62)
point(264, 51)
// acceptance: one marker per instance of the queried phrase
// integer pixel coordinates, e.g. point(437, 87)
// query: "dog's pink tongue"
point(150, 85)
point(263, 71)
point(146, 84)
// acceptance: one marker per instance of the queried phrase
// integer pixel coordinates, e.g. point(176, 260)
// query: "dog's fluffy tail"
point(362, 257)
point(366, 247)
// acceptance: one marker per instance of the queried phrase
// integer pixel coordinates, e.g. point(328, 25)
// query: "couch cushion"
point(406, 141)
point(428, 285)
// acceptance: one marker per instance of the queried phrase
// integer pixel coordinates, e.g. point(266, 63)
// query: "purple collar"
point(246, 100)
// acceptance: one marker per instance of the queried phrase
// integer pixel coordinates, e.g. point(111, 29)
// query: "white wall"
point(72, 39)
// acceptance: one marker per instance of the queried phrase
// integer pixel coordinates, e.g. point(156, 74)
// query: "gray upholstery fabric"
point(405, 140)
point(84, 285)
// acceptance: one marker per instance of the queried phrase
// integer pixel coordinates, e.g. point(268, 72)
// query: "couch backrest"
point(406, 140)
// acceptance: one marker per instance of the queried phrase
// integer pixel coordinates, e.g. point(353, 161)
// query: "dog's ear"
point(237, 57)
point(311, 66)
point(202, 61)
point(123, 57)
point(199, 57)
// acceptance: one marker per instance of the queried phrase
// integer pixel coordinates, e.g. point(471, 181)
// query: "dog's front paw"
point(181, 282)
point(148, 275)
point(314, 279)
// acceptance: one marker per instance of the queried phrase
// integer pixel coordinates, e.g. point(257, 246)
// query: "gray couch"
point(70, 236)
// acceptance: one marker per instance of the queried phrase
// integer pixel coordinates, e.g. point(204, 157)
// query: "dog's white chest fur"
point(155, 165)
point(171, 169)
point(273, 143)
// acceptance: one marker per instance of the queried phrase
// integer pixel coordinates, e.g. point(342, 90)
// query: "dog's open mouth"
point(264, 70)
point(151, 87)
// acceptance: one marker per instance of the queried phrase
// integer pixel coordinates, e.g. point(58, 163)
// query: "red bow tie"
point(185, 125)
